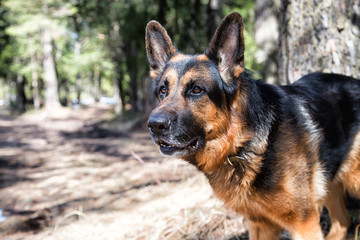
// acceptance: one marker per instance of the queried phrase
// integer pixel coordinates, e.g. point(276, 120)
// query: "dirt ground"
point(83, 174)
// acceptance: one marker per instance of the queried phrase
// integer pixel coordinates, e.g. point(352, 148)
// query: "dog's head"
point(194, 91)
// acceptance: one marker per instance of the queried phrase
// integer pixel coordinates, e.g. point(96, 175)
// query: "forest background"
point(63, 52)
point(60, 52)
point(71, 169)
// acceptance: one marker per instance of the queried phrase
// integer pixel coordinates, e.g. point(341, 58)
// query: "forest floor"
point(83, 174)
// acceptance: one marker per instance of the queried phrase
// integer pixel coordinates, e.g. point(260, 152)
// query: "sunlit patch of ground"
point(73, 174)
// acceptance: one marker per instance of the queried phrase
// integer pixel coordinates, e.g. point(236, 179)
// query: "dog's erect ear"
point(227, 47)
point(159, 47)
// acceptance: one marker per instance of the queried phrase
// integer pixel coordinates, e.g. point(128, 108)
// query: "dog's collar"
point(236, 158)
point(233, 159)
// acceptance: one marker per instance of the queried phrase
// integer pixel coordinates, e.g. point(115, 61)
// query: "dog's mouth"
point(179, 150)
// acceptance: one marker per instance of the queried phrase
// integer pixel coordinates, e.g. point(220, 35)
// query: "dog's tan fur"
point(301, 185)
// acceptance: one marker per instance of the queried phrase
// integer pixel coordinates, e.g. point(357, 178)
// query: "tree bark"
point(95, 79)
point(51, 84)
point(34, 78)
point(117, 54)
point(77, 52)
point(98, 85)
point(8, 88)
point(20, 89)
point(319, 36)
point(266, 37)
point(133, 77)
point(20, 93)
point(78, 82)
point(214, 16)
point(117, 98)
point(163, 8)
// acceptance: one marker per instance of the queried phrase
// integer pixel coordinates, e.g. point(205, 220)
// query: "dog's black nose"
point(159, 123)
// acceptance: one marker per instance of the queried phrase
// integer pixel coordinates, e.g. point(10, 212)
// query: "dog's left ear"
point(226, 48)
point(159, 47)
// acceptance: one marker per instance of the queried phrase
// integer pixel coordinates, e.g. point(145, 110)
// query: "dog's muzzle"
point(174, 139)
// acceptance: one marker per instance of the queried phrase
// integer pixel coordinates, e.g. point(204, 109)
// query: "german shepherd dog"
point(275, 154)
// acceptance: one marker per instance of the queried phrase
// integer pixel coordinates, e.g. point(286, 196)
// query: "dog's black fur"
point(275, 154)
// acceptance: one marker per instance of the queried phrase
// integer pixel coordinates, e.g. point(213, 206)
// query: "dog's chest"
point(233, 189)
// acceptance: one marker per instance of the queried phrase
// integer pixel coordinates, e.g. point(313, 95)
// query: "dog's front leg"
point(340, 219)
point(263, 230)
point(307, 230)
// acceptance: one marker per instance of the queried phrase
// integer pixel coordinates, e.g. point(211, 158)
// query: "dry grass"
point(63, 177)
point(68, 180)
point(185, 210)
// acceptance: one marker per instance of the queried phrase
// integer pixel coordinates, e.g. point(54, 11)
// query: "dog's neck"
point(237, 171)
point(239, 152)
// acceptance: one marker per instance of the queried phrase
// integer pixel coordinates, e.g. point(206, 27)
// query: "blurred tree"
point(267, 36)
point(319, 36)
point(34, 60)
point(82, 54)
point(33, 27)
point(51, 84)
point(5, 55)
point(77, 52)
point(247, 10)
point(20, 88)
point(214, 15)
point(85, 48)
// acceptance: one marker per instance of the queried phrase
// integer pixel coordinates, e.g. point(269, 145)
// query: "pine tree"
point(319, 36)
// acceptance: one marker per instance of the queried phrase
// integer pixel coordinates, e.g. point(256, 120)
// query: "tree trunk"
point(319, 36)
point(163, 8)
point(214, 16)
point(93, 86)
point(35, 90)
point(51, 84)
point(9, 86)
point(121, 89)
point(64, 90)
point(34, 79)
point(266, 37)
point(194, 27)
point(77, 52)
point(20, 89)
point(117, 98)
point(99, 91)
point(133, 77)
point(20, 93)
point(78, 82)
point(117, 55)
point(96, 83)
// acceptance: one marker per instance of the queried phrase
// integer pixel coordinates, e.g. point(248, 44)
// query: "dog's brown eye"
point(163, 90)
point(197, 90)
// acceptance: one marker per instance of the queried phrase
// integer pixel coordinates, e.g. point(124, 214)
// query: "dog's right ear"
point(159, 47)
point(226, 48)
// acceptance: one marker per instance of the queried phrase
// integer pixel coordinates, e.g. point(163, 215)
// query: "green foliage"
point(5, 46)
point(104, 37)
point(247, 11)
